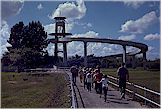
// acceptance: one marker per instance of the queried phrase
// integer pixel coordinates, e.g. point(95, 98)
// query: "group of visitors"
point(93, 78)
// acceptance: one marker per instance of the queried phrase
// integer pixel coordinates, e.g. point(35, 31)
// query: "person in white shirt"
point(104, 81)
point(89, 80)
point(81, 74)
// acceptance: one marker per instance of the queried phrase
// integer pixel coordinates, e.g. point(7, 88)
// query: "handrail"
point(139, 87)
point(144, 88)
point(147, 99)
point(39, 69)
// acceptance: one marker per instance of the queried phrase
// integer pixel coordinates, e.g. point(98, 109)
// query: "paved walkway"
point(87, 99)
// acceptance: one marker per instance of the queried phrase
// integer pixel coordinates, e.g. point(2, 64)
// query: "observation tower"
point(60, 35)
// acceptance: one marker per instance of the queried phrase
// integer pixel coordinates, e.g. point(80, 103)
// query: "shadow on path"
point(110, 95)
point(119, 102)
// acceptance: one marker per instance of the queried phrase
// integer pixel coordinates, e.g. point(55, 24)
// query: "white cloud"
point(40, 6)
point(152, 4)
point(134, 4)
point(100, 49)
point(89, 24)
point(89, 34)
point(153, 53)
point(4, 31)
point(139, 25)
point(50, 28)
point(84, 25)
point(69, 27)
point(70, 10)
point(150, 48)
point(11, 8)
point(132, 50)
point(50, 49)
point(4, 36)
point(127, 38)
point(152, 37)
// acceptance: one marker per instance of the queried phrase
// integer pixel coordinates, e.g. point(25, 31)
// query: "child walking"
point(104, 81)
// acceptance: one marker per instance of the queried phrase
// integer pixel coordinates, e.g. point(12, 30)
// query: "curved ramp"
point(141, 46)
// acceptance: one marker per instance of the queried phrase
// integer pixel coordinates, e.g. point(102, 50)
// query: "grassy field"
point(21, 90)
point(149, 79)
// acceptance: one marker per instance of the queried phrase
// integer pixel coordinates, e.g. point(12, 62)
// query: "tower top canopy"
point(60, 18)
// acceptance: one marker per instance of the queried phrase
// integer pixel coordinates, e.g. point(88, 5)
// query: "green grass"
point(149, 79)
point(50, 91)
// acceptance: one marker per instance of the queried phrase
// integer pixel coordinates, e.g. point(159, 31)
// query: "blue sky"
point(126, 20)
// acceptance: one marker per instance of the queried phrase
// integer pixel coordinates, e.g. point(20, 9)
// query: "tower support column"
point(144, 60)
point(65, 53)
point(124, 54)
point(133, 62)
point(85, 53)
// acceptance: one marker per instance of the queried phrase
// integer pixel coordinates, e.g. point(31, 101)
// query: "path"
point(87, 99)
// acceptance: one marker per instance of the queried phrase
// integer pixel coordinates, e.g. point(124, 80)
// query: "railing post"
point(145, 94)
point(118, 83)
point(133, 90)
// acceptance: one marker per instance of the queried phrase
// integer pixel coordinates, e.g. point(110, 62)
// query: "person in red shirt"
point(98, 84)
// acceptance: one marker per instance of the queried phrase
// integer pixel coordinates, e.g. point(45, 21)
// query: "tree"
point(30, 36)
point(35, 37)
point(16, 36)
point(28, 45)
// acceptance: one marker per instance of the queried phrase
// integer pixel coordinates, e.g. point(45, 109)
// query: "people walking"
point(104, 82)
point(93, 78)
point(81, 75)
point(74, 72)
point(98, 84)
point(98, 68)
point(84, 77)
point(123, 75)
point(89, 80)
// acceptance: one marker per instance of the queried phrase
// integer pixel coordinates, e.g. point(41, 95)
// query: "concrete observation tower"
point(60, 33)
